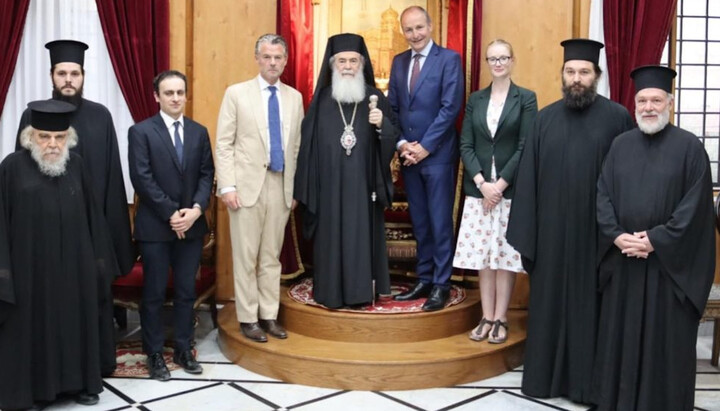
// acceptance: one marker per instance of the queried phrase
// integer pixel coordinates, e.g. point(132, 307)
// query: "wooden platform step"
point(373, 362)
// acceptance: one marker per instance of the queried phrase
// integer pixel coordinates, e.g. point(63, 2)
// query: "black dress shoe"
point(85, 398)
point(157, 368)
point(274, 328)
point(186, 360)
point(253, 332)
point(420, 290)
point(438, 298)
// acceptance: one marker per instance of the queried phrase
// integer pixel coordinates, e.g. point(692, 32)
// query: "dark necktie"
point(178, 142)
point(276, 150)
point(415, 72)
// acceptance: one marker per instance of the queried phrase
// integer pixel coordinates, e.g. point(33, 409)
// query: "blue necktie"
point(276, 151)
point(178, 142)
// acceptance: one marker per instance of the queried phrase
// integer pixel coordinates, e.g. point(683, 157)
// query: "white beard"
point(348, 89)
point(653, 127)
point(51, 168)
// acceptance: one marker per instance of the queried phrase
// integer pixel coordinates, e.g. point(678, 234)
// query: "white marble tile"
point(287, 395)
point(707, 381)
point(225, 372)
point(708, 400)
point(705, 366)
point(557, 402)
point(141, 390)
point(510, 379)
point(208, 349)
point(354, 401)
point(502, 401)
point(436, 398)
point(220, 398)
point(108, 401)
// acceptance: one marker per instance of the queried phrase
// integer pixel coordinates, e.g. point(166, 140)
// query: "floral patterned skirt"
point(481, 241)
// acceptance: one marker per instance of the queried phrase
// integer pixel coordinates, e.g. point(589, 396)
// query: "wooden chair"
point(127, 290)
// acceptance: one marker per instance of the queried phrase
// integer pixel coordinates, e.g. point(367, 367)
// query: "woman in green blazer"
point(497, 121)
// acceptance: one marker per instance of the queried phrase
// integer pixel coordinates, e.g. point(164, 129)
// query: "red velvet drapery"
point(12, 22)
point(295, 24)
point(137, 33)
point(635, 35)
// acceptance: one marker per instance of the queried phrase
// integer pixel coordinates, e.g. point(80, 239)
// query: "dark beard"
point(75, 100)
point(579, 100)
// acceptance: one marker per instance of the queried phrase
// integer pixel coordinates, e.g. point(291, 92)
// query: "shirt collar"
point(264, 84)
point(425, 51)
point(169, 121)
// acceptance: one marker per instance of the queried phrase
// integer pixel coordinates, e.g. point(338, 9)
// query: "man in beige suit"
point(258, 137)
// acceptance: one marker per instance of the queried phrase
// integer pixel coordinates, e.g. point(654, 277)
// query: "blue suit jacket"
point(162, 184)
point(429, 114)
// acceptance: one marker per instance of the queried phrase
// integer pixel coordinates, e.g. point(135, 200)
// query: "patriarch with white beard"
point(348, 80)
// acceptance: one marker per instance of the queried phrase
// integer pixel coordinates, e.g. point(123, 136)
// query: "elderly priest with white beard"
point(54, 246)
point(657, 256)
point(343, 176)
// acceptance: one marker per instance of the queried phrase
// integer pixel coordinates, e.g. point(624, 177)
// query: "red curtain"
point(635, 35)
point(12, 22)
point(137, 33)
point(295, 24)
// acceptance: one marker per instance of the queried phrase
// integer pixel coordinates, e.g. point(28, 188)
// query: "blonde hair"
point(502, 43)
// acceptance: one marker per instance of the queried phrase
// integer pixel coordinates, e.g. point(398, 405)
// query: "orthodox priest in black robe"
point(657, 256)
point(98, 147)
point(343, 177)
point(54, 249)
point(552, 225)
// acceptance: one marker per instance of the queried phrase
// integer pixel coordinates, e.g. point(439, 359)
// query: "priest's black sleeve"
point(685, 244)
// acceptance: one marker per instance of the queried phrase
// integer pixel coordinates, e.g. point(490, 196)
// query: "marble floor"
point(225, 386)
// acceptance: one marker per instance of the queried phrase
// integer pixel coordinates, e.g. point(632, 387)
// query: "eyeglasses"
point(494, 60)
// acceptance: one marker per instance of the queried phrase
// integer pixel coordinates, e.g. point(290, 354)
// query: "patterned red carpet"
point(131, 359)
point(302, 293)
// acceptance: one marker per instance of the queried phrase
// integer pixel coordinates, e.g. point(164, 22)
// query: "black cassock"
point(650, 308)
point(54, 248)
point(552, 226)
point(98, 147)
point(341, 224)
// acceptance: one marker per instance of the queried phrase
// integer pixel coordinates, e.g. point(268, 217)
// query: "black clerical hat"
point(653, 77)
point(66, 51)
point(582, 49)
point(50, 115)
point(346, 42)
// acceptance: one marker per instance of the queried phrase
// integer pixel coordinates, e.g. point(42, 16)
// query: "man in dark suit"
point(171, 168)
point(426, 93)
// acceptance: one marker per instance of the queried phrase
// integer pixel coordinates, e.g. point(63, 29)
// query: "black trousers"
point(183, 256)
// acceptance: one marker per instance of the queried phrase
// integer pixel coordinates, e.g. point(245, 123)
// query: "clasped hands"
point(492, 192)
point(634, 245)
point(412, 153)
point(183, 219)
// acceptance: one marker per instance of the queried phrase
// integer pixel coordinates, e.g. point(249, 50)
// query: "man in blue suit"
point(171, 168)
point(426, 92)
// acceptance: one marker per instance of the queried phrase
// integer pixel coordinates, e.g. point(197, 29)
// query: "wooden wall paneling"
point(535, 30)
point(223, 44)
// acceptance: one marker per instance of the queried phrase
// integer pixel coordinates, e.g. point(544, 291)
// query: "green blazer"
point(477, 147)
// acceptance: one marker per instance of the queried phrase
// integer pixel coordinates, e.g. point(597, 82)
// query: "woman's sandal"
point(493, 337)
point(476, 333)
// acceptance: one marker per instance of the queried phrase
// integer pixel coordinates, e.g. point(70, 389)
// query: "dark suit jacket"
point(477, 146)
point(162, 184)
point(429, 114)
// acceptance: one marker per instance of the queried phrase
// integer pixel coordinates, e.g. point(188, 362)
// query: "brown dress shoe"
point(274, 328)
point(253, 332)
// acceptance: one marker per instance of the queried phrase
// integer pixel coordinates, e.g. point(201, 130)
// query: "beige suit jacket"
point(241, 150)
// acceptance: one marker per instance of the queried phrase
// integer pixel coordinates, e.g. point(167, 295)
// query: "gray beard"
point(348, 90)
point(49, 168)
point(652, 128)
